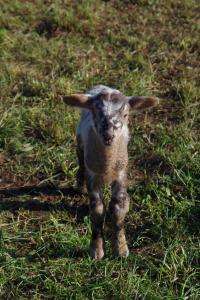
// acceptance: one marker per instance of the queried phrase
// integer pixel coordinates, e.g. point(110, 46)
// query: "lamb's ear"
point(142, 102)
point(78, 100)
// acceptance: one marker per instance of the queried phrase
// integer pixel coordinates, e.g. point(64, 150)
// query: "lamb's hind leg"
point(80, 177)
point(118, 209)
point(97, 213)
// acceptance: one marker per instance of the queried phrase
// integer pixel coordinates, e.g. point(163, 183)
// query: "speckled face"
point(110, 114)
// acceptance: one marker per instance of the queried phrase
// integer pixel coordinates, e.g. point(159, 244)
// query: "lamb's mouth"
point(108, 142)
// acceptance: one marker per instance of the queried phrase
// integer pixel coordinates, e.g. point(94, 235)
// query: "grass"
point(148, 47)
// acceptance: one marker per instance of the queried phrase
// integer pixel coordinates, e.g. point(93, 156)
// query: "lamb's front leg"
point(118, 209)
point(80, 177)
point(97, 213)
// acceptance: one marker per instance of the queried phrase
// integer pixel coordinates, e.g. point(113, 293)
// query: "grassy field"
point(144, 47)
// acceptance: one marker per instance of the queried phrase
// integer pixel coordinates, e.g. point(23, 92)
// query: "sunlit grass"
point(142, 47)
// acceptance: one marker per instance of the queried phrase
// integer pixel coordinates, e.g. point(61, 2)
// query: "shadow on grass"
point(192, 220)
point(38, 190)
point(8, 201)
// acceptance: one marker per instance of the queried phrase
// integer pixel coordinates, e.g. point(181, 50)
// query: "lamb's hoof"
point(97, 248)
point(120, 247)
point(123, 251)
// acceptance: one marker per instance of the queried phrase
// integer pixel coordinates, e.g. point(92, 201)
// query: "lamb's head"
point(110, 115)
point(110, 111)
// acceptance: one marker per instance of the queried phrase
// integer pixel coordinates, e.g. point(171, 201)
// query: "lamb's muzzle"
point(102, 139)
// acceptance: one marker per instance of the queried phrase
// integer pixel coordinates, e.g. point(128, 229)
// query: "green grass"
point(145, 47)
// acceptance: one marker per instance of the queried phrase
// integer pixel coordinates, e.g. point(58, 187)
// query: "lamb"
point(102, 139)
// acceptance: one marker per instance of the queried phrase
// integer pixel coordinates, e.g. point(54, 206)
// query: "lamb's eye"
point(117, 124)
point(104, 126)
point(125, 115)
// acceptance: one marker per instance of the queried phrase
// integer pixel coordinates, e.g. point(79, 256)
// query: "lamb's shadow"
point(8, 200)
point(42, 200)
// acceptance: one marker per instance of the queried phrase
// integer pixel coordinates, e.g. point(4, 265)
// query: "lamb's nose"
point(108, 137)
